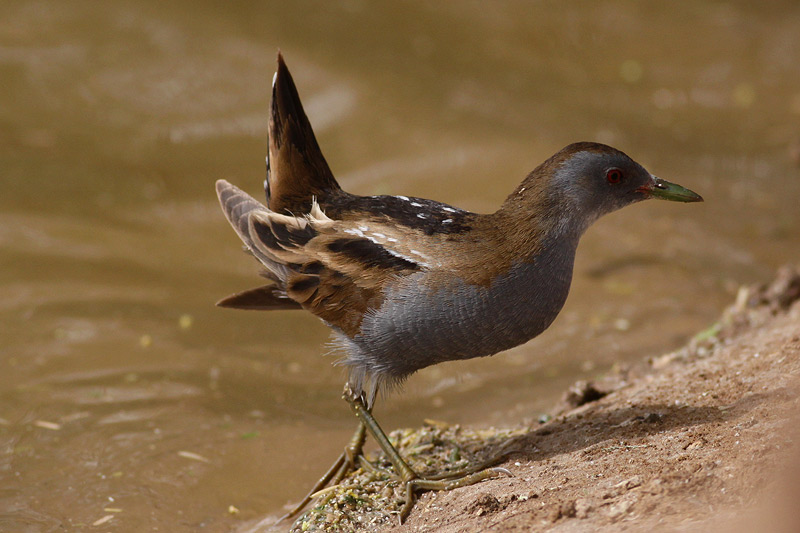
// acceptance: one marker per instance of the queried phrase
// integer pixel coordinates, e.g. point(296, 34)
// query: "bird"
point(405, 282)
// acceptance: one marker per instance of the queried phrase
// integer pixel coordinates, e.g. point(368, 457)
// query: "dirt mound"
point(700, 438)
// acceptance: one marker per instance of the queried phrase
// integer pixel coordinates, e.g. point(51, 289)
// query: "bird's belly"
point(418, 326)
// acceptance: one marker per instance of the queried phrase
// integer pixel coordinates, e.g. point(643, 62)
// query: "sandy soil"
point(699, 439)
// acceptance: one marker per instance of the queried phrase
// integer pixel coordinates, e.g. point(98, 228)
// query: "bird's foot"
point(452, 481)
point(414, 482)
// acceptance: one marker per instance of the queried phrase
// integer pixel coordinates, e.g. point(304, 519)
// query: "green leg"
point(407, 475)
point(367, 420)
point(354, 449)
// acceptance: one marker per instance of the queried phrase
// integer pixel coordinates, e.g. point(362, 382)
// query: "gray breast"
point(417, 326)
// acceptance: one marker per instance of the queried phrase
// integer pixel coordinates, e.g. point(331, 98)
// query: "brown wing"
point(237, 206)
point(328, 267)
point(334, 272)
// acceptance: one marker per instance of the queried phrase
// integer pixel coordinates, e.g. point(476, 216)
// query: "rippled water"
point(125, 393)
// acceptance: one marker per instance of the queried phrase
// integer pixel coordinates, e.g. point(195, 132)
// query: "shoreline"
point(699, 438)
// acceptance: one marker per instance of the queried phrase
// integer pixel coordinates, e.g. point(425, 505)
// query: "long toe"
point(414, 485)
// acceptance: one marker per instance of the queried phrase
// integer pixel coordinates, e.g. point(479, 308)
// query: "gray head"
point(588, 180)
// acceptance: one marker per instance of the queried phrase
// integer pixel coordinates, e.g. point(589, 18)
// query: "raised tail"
point(296, 169)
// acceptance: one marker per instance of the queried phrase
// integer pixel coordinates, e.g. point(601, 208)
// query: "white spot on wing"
point(449, 209)
point(424, 264)
point(422, 215)
point(274, 78)
point(374, 238)
point(415, 204)
point(447, 221)
point(357, 233)
point(403, 257)
point(404, 198)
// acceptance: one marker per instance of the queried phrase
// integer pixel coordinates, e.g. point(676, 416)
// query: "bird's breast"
point(420, 324)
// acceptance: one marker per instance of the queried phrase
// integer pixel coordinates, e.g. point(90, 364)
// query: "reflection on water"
point(128, 400)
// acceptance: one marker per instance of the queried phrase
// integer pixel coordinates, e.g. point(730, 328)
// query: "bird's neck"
point(534, 217)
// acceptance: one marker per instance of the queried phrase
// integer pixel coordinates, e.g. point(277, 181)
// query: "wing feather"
point(266, 298)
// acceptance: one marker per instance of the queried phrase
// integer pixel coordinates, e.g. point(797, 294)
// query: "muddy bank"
point(698, 438)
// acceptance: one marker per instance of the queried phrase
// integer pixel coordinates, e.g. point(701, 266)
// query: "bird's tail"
point(296, 169)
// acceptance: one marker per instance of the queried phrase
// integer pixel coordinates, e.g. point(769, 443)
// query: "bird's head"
point(589, 180)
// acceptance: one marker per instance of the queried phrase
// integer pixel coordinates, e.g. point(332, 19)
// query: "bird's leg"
point(345, 464)
point(352, 452)
point(356, 402)
point(411, 479)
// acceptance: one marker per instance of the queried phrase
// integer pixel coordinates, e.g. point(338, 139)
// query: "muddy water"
point(128, 399)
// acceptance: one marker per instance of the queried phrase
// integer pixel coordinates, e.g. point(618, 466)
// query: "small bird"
point(404, 282)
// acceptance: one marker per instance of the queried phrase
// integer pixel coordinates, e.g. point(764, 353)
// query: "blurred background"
point(128, 400)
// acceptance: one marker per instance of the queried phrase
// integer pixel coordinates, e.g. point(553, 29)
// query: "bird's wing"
point(237, 206)
point(335, 269)
point(267, 298)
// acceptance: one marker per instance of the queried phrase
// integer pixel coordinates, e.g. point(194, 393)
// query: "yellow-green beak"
point(664, 190)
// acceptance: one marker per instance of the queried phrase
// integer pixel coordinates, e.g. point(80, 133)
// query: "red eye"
point(614, 176)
